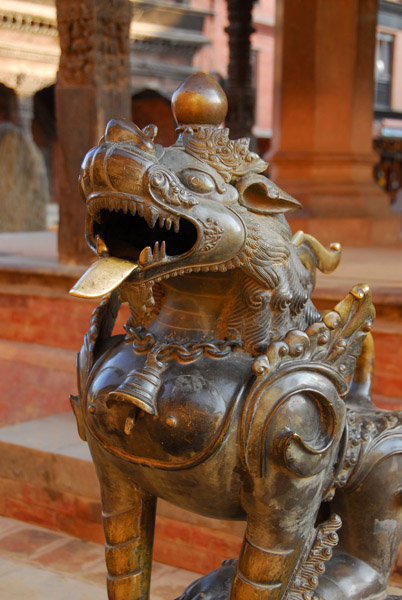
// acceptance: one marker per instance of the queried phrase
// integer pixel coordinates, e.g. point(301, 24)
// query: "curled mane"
point(272, 290)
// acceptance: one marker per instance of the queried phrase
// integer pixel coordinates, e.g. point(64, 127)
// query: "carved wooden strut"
point(230, 395)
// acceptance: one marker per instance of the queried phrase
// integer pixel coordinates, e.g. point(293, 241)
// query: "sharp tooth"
point(110, 204)
point(101, 247)
point(150, 216)
point(162, 252)
point(132, 208)
point(97, 218)
point(91, 208)
point(168, 223)
point(176, 223)
point(124, 206)
point(117, 205)
point(161, 221)
point(155, 255)
point(140, 209)
point(145, 257)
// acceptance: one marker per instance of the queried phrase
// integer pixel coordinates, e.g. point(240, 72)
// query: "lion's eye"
point(197, 181)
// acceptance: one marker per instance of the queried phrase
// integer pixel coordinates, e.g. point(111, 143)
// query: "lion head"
point(201, 205)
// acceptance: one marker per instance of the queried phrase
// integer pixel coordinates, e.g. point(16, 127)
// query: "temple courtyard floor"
point(38, 564)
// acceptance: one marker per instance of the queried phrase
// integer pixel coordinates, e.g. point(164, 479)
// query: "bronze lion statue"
point(230, 395)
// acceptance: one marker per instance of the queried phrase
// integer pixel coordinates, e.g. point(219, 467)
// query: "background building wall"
point(396, 92)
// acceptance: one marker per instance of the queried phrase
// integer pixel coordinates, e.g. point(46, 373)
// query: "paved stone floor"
point(38, 564)
point(381, 267)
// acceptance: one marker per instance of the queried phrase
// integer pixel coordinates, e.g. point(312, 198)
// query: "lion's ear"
point(123, 130)
point(260, 195)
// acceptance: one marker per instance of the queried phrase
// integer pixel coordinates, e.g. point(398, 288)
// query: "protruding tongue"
point(103, 277)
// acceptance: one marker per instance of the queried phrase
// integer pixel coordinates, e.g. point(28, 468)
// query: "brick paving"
point(38, 564)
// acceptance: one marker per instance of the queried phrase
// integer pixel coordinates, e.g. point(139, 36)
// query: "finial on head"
point(199, 100)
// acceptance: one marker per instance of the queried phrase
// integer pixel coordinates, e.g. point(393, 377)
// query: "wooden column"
point(93, 85)
point(240, 90)
point(323, 113)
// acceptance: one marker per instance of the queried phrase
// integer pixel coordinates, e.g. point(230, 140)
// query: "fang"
point(145, 257)
point(150, 216)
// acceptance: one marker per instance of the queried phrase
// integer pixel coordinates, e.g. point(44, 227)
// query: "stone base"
point(351, 231)
point(339, 197)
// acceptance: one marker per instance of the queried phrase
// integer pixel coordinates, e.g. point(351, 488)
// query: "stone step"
point(40, 564)
point(42, 328)
point(47, 478)
point(41, 313)
point(36, 380)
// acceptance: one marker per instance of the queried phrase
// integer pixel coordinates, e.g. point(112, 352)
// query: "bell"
point(141, 387)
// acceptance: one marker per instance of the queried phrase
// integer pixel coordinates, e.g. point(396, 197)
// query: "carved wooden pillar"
point(93, 86)
point(240, 90)
point(323, 113)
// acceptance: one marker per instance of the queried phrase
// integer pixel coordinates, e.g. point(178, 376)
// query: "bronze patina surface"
point(230, 395)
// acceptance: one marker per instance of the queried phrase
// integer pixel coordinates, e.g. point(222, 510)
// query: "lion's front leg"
point(291, 433)
point(128, 516)
point(279, 535)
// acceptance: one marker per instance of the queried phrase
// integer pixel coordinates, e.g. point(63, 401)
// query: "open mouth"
point(139, 233)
